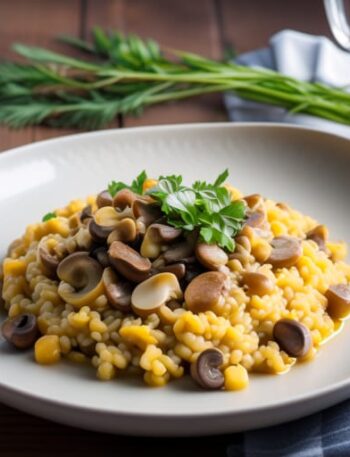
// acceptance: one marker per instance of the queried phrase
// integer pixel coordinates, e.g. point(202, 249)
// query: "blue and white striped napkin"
point(302, 56)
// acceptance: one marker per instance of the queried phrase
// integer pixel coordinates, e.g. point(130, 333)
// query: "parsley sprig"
point(136, 186)
point(204, 206)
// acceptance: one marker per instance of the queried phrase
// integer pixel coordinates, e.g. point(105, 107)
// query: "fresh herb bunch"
point(205, 207)
point(124, 75)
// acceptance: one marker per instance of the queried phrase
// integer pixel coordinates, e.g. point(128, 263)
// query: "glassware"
point(338, 22)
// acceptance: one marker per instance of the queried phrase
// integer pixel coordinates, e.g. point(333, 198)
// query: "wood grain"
point(36, 23)
point(188, 25)
point(247, 25)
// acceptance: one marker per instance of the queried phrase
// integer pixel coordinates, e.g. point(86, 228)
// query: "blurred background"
point(208, 27)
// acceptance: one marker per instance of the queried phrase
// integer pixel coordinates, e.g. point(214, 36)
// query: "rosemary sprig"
point(124, 75)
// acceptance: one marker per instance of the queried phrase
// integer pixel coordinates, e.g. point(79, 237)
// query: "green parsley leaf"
point(221, 178)
point(136, 186)
point(207, 207)
point(114, 187)
point(48, 216)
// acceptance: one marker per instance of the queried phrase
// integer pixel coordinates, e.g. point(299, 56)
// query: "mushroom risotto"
point(157, 279)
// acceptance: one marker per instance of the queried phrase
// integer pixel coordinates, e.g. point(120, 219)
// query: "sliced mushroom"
point(118, 291)
point(179, 252)
point(211, 256)
point(338, 297)
point(256, 219)
point(147, 212)
point(293, 337)
point(156, 236)
point(101, 255)
point(104, 222)
point(124, 231)
point(104, 198)
point(86, 213)
point(206, 369)
point(204, 292)
point(319, 235)
point(257, 283)
point(128, 262)
point(252, 200)
point(178, 269)
point(148, 296)
point(124, 198)
point(80, 277)
point(21, 331)
point(48, 261)
point(285, 253)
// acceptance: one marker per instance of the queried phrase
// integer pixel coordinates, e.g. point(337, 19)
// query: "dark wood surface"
point(203, 26)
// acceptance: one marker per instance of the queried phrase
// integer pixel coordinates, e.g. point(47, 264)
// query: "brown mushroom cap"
point(104, 198)
point(128, 262)
point(148, 212)
point(178, 252)
point(256, 219)
point(338, 297)
point(293, 337)
point(156, 236)
point(319, 235)
point(123, 198)
point(101, 255)
point(204, 292)
point(86, 213)
point(104, 222)
point(21, 331)
point(83, 274)
point(48, 261)
point(211, 256)
point(124, 231)
point(285, 253)
point(252, 200)
point(206, 369)
point(178, 269)
point(118, 291)
point(257, 283)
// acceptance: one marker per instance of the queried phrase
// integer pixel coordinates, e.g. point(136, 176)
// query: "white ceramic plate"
point(308, 169)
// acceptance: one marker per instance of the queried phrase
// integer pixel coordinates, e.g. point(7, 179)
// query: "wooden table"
point(204, 26)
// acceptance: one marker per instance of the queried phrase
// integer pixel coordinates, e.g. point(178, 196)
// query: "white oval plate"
point(308, 169)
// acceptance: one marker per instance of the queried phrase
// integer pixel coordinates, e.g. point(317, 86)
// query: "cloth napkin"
point(310, 58)
point(306, 57)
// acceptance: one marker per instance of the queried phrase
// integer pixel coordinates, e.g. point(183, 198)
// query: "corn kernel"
point(106, 371)
point(148, 184)
point(97, 326)
point(236, 377)
point(14, 267)
point(235, 193)
point(78, 320)
point(47, 350)
point(139, 335)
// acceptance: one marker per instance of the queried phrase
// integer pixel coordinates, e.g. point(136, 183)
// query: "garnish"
point(48, 216)
point(205, 207)
point(125, 74)
point(136, 186)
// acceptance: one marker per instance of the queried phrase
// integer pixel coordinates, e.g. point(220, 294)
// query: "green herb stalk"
point(124, 75)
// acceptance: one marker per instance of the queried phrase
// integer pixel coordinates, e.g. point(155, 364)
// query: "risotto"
point(159, 280)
